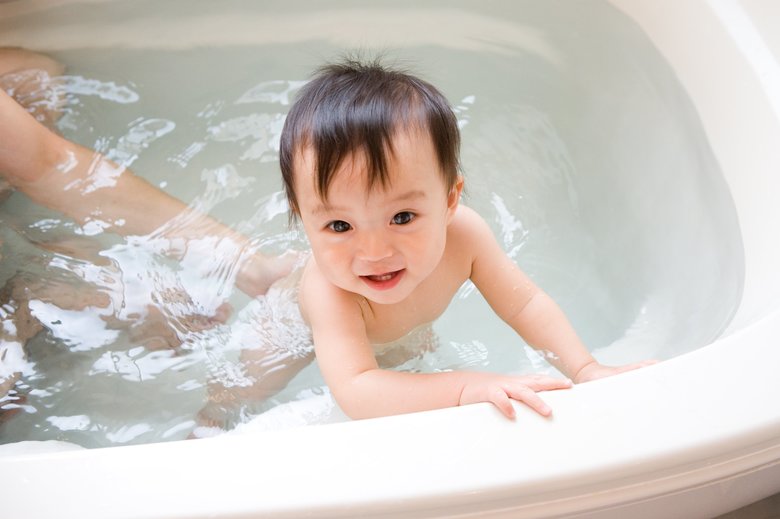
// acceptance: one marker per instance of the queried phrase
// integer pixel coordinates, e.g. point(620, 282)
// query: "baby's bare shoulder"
point(468, 227)
point(467, 235)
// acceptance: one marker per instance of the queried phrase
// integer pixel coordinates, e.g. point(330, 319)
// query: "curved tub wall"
point(735, 83)
point(694, 436)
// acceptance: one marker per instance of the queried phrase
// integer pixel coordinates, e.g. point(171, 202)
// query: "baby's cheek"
point(332, 264)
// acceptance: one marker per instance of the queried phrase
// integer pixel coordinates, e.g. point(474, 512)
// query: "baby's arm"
point(363, 390)
point(529, 310)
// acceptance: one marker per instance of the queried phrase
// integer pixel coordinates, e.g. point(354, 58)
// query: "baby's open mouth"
point(383, 281)
point(383, 277)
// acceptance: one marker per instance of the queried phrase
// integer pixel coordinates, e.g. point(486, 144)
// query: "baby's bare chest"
point(387, 323)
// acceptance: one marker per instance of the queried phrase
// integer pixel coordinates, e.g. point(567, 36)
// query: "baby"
point(369, 158)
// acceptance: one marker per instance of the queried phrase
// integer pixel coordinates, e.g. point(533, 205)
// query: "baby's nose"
point(374, 247)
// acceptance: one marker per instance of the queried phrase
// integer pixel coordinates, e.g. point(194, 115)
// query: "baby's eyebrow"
point(410, 195)
point(322, 209)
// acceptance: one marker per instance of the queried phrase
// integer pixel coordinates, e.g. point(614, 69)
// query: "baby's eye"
point(403, 218)
point(339, 226)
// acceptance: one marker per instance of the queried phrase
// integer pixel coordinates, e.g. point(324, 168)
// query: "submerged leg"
point(17, 326)
point(267, 371)
point(15, 59)
point(274, 345)
point(27, 76)
point(45, 167)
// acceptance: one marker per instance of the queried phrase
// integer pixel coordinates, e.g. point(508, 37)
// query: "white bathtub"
point(694, 436)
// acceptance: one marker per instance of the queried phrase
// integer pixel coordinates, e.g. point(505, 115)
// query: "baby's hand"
point(594, 370)
point(499, 389)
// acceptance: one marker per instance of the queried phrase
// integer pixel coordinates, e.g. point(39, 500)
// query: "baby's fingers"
point(545, 383)
point(528, 396)
point(499, 398)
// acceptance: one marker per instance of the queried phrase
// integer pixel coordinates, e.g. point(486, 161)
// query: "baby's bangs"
point(360, 130)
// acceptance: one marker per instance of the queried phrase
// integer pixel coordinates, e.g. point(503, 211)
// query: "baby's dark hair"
point(357, 107)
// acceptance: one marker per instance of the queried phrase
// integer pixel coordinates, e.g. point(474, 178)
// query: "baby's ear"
point(454, 197)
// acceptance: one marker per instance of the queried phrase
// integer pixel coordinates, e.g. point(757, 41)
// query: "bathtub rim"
point(725, 437)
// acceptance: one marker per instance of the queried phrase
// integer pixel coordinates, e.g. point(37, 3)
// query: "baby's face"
point(379, 243)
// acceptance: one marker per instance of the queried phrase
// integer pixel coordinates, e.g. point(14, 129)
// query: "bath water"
point(580, 148)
